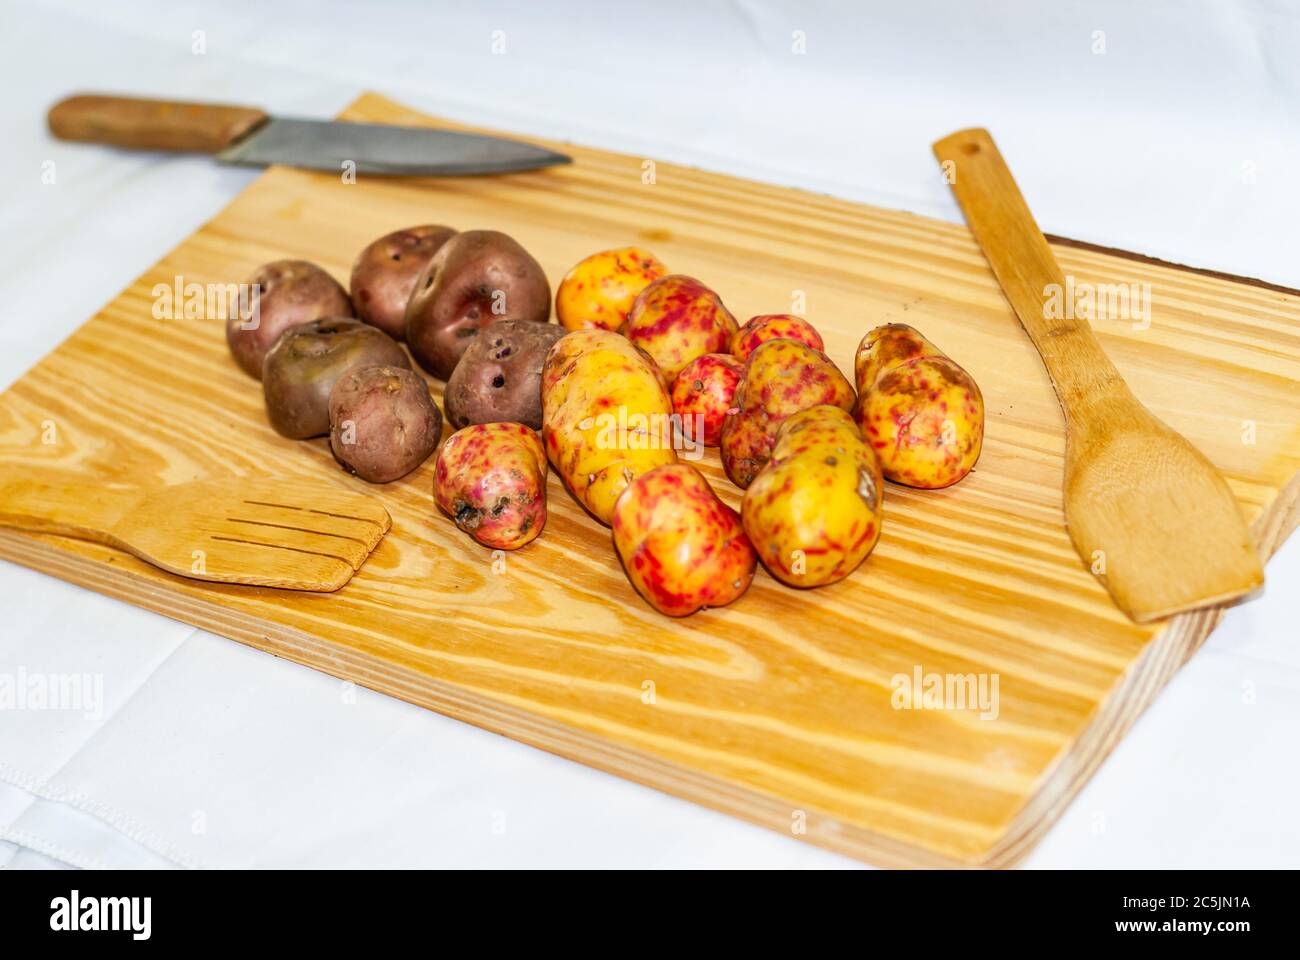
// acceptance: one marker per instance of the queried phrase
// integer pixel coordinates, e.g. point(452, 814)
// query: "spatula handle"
point(141, 124)
point(67, 508)
point(1025, 267)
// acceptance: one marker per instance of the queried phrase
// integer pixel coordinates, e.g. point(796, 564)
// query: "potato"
point(385, 272)
point(606, 416)
point(383, 423)
point(813, 512)
point(491, 479)
point(781, 378)
point(475, 278)
point(290, 292)
point(772, 326)
point(682, 547)
point(303, 366)
point(921, 412)
point(706, 388)
point(887, 346)
point(677, 319)
point(598, 291)
point(500, 375)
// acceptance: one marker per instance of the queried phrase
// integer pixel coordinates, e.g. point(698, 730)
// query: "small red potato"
point(918, 409)
point(290, 292)
point(490, 479)
point(385, 272)
point(477, 277)
point(599, 291)
point(774, 326)
point(677, 319)
point(500, 375)
point(706, 388)
point(681, 546)
point(383, 423)
point(781, 378)
point(305, 363)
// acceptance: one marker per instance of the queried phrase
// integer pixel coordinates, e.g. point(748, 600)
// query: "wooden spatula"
point(1148, 513)
point(263, 533)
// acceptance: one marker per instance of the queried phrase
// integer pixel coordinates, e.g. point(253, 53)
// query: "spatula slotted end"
point(265, 533)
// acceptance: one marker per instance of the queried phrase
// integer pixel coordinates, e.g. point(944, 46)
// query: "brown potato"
point(303, 366)
point(475, 278)
point(384, 274)
point(500, 376)
point(383, 423)
point(290, 292)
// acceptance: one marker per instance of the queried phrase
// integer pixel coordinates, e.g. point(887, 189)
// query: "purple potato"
point(477, 277)
point(383, 423)
point(499, 378)
point(385, 272)
point(290, 292)
point(303, 366)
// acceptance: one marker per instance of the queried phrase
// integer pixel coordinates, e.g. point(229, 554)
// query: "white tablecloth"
point(1169, 129)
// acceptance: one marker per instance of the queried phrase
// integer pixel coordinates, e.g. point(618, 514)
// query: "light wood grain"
point(778, 708)
point(1148, 513)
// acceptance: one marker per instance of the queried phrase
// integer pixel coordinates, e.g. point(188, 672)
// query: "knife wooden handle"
point(1025, 266)
point(141, 124)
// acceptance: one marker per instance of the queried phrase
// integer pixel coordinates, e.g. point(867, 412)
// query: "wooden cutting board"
point(781, 708)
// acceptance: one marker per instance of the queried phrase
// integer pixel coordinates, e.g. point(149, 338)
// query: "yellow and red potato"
point(600, 289)
point(917, 408)
point(706, 388)
point(773, 326)
point(606, 416)
point(681, 546)
point(781, 378)
point(814, 511)
point(490, 478)
point(677, 319)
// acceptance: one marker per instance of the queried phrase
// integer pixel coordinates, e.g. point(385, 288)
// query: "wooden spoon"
point(1149, 514)
point(265, 533)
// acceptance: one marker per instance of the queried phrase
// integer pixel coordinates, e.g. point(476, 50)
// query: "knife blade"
point(248, 136)
point(387, 150)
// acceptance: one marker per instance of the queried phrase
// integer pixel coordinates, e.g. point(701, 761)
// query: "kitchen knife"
point(248, 136)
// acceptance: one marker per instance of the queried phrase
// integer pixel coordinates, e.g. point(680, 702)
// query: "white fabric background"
point(1180, 141)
